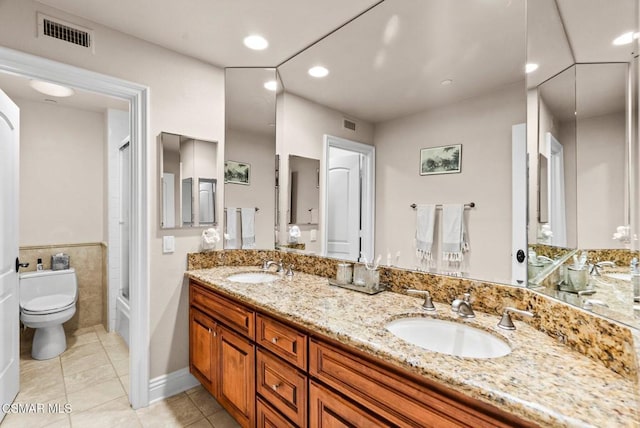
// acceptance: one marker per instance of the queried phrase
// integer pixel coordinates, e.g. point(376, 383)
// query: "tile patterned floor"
point(92, 375)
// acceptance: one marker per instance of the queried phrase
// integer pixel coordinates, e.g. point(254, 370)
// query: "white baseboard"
point(170, 384)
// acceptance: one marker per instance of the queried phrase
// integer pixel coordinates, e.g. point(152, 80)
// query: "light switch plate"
point(168, 244)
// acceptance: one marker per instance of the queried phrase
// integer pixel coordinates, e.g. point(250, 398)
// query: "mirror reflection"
point(581, 142)
point(398, 83)
point(188, 162)
point(304, 190)
point(250, 95)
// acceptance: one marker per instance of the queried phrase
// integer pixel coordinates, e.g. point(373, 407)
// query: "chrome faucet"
point(506, 322)
point(595, 268)
point(463, 306)
point(268, 263)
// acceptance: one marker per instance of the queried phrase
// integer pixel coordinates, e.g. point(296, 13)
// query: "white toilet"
point(47, 300)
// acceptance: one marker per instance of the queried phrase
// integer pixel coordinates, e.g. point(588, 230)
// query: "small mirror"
point(304, 188)
point(187, 162)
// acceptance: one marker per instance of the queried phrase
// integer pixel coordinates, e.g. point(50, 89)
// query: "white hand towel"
point(247, 216)
point(425, 224)
point(232, 235)
point(454, 240)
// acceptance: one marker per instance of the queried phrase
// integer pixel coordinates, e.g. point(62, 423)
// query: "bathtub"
point(122, 317)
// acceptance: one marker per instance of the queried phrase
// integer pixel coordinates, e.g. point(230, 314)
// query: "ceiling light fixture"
point(271, 85)
point(625, 38)
point(531, 67)
point(446, 82)
point(51, 89)
point(318, 71)
point(255, 42)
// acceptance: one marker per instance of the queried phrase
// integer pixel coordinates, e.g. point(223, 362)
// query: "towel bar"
point(238, 209)
point(469, 205)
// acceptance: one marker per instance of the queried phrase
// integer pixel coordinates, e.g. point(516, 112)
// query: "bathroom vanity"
point(298, 352)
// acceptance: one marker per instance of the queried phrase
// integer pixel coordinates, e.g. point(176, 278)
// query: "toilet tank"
point(47, 282)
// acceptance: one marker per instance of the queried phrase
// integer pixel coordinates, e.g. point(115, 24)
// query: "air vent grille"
point(348, 124)
point(65, 31)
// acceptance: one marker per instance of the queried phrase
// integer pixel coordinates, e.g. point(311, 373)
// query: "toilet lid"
point(48, 303)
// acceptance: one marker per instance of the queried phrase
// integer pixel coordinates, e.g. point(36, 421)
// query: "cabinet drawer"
point(385, 393)
point(234, 315)
point(284, 341)
point(267, 417)
point(283, 386)
point(327, 409)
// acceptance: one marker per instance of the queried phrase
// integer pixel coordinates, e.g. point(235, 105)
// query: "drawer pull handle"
point(274, 340)
point(276, 386)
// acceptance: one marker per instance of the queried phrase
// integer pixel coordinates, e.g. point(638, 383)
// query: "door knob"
point(20, 265)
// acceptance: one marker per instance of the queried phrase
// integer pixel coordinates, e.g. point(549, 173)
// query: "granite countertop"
point(541, 380)
point(616, 293)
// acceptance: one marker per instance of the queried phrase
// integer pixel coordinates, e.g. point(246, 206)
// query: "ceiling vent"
point(349, 124)
point(65, 31)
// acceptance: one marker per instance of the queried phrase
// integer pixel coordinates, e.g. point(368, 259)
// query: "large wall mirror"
point(583, 153)
point(189, 178)
point(401, 79)
point(250, 116)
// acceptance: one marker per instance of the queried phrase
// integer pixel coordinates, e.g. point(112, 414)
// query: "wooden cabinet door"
point(237, 389)
point(203, 349)
point(328, 410)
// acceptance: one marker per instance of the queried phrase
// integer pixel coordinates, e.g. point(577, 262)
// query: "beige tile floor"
point(92, 375)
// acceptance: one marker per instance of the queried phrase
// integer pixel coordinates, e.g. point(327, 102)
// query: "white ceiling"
point(213, 30)
point(17, 87)
point(249, 106)
point(590, 27)
point(389, 62)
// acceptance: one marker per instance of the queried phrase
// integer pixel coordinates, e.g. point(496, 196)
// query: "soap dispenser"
point(39, 265)
point(635, 279)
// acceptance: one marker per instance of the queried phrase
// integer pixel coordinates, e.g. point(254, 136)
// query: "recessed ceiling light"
point(51, 89)
point(318, 71)
point(256, 42)
point(531, 67)
point(271, 85)
point(625, 38)
point(446, 82)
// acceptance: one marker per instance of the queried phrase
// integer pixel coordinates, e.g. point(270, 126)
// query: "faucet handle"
point(290, 270)
point(428, 303)
point(506, 322)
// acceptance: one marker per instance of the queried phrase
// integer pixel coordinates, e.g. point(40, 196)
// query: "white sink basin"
point(253, 277)
point(449, 337)
point(622, 276)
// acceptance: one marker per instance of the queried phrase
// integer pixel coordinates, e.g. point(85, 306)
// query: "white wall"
point(601, 180)
point(186, 97)
point(62, 192)
point(483, 126)
point(258, 151)
point(302, 127)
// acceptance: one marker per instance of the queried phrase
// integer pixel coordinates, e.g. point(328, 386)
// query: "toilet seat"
point(50, 304)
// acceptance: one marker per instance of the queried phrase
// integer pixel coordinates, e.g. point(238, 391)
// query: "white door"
point(343, 205)
point(9, 304)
